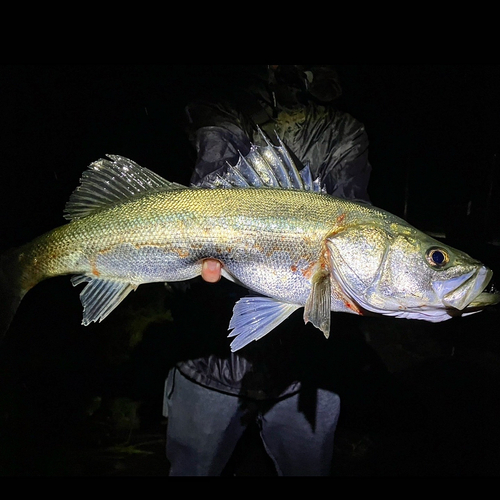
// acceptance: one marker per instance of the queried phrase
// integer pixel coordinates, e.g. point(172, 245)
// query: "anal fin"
point(100, 297)
point(254, 317)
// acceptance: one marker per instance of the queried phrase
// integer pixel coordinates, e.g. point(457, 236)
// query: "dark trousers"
point(205, 425)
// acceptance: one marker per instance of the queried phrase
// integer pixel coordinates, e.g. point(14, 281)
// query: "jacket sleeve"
point(333, 144)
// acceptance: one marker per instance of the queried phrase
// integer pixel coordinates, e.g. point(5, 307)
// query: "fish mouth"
point(488, 297)
point(467, 291)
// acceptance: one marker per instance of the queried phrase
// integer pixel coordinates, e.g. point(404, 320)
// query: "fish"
point(275, 231)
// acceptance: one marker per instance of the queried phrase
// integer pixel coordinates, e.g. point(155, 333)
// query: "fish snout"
point(462, 291)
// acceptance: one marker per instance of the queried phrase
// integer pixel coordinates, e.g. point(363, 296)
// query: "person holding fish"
point(210, 400)
point(261, 204)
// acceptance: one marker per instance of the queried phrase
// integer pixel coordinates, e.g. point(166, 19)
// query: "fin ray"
point(264, 166)
point(318, 304)
point(109, 181)
point(100, 297)
point(255, 316)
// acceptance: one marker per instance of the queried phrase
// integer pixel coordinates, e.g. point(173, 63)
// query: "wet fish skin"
point(268, 239)
point(283, 239)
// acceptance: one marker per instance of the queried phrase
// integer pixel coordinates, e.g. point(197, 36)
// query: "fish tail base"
point(11, 291)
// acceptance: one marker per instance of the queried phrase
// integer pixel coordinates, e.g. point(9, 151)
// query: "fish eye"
point(437, 257)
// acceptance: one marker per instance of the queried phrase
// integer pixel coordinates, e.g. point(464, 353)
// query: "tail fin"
point(11, 291)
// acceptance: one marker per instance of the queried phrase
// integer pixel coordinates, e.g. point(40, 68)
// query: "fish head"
point(394, 269)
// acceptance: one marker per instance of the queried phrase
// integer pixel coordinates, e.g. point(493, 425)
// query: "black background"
point(434, 142)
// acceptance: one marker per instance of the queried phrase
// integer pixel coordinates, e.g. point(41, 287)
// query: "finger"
point(211, 270)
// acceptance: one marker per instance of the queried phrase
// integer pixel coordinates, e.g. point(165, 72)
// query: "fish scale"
point(184, 226)
point(274, 231)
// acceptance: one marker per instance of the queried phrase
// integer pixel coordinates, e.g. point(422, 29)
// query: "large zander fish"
point(272, 228)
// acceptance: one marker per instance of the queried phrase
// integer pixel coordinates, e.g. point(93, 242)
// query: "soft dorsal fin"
point(264, 166)
point(109, 181)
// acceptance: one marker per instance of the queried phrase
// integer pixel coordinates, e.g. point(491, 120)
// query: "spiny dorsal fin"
point(107, 182)
point(264, 166)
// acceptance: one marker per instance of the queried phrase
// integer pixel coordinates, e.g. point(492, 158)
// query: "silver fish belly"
point(273, 229)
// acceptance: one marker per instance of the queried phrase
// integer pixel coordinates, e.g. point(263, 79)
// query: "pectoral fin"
point(100, 296)
point(317, 308)
point(254, 317)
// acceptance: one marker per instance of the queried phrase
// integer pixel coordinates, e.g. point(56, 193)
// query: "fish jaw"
point(460, 292)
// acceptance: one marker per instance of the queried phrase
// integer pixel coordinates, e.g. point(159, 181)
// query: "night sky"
point(434, 135)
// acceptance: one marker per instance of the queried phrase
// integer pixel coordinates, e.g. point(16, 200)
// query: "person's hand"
point(211, 270)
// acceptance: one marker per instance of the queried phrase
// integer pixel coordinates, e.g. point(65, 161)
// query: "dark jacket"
point(335, 146)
